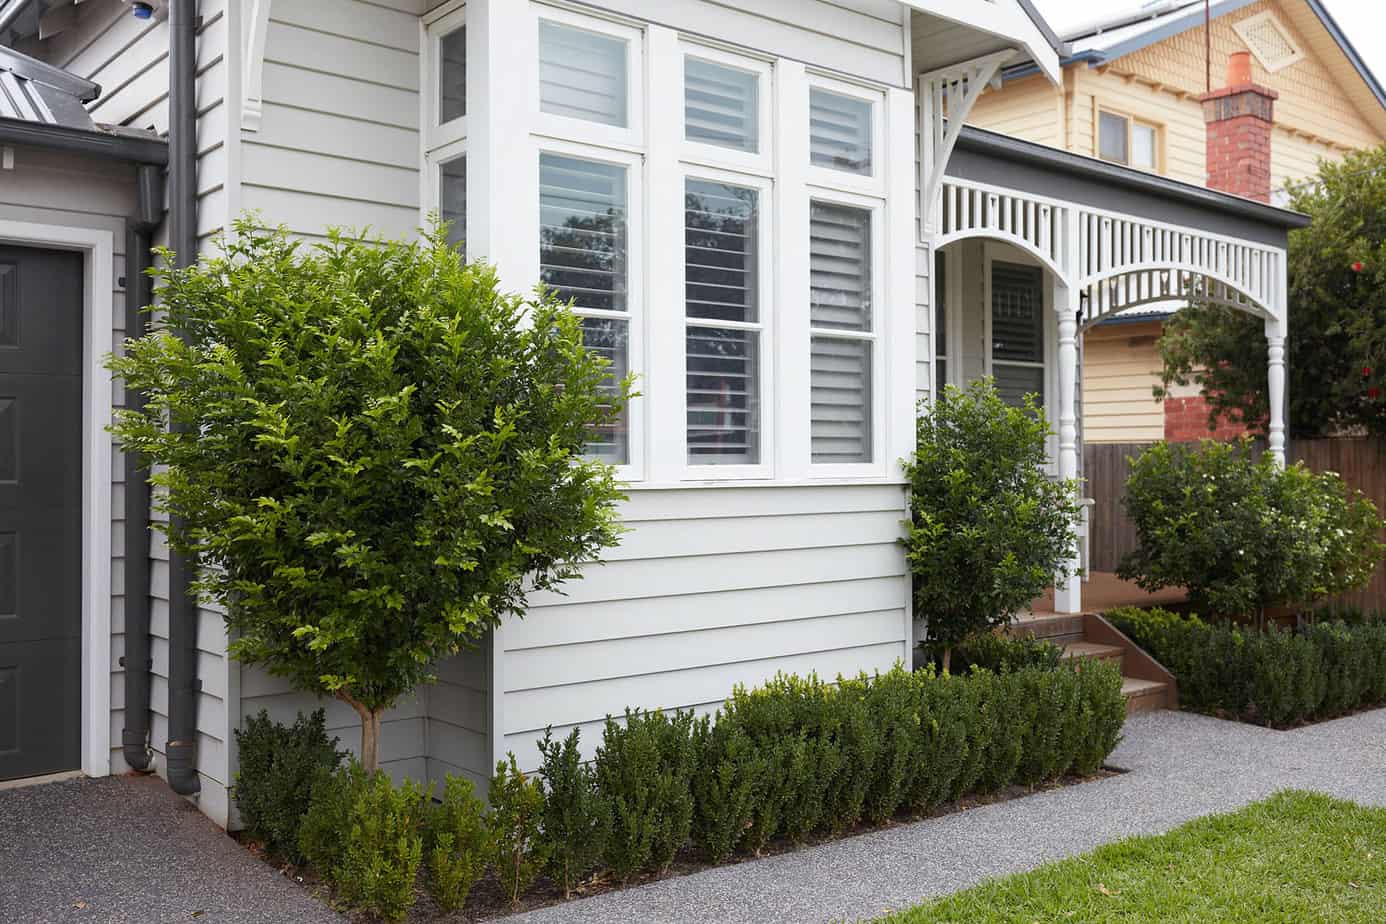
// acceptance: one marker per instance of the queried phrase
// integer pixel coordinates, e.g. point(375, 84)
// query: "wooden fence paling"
point(1106, 466)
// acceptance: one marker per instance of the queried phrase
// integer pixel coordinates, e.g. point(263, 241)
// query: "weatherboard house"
point(789, 180)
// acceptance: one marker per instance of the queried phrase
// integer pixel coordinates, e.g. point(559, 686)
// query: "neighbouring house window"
point(722, 305)
point(584, 253)
point(842, 332)
point(1017, 331)
point(940, 323)
point(452, 200)
point(1127, 141)
point(840, 131)
point(452, 75)
point(583, 74)
point(721, 105)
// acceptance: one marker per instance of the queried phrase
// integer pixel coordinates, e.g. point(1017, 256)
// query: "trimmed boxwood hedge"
point(1276, 677)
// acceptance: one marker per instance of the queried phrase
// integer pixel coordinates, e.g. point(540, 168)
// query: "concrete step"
point(1144, 695)
point(1091, 651)
point(1054, 628)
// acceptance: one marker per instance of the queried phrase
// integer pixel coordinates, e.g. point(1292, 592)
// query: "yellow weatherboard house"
point(1133, 92)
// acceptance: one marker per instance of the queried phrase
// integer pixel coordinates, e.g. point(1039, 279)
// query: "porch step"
point(1054, 628)
point(1144, 695)
point(1092, 651)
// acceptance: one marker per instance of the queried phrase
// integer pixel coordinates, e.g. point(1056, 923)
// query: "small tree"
point(989, 530)
point(374, 452)
point(1243, 534)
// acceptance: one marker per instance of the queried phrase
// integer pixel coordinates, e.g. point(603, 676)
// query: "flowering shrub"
point(1241, 533)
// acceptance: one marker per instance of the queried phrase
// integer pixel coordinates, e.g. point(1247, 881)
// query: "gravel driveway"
point(126, 849)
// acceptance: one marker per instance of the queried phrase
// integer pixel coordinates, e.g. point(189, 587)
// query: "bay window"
point(445, 122)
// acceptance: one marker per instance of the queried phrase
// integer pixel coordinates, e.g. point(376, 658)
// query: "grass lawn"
point(1297, 857)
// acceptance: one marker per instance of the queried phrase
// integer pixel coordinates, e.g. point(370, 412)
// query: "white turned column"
point(1275, 389)
point(1068, 591)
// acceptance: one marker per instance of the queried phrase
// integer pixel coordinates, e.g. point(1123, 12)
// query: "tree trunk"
point(947, 657)
point(370, 731)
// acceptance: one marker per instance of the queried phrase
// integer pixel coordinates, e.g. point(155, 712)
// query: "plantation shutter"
point(583, 250)
point(722, 294)
point(582, 75)
point(1017, 331)
point(721, 105)
point(839, 131)
point(840, 363)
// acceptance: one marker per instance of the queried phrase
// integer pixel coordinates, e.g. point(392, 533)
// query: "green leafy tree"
point(1336, 340)
point(989, 530)
point(1243, 534)
point(374, 452)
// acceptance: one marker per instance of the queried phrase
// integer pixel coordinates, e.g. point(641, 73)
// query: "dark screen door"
point(40, 511)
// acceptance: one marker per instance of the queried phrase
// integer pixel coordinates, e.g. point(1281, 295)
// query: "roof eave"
point(1021, 25)
point(103, 144)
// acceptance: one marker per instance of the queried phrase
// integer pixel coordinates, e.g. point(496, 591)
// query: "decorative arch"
point(1007, 238)
point(1105, 294)
point(1036, 225)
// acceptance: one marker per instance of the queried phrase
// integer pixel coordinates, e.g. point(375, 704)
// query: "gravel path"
point(1181, 766)
point(126, 849)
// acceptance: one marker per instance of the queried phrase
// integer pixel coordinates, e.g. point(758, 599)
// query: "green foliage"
point(1103, 708)
point(1000, 653)
point(1271, 677)
point(988, 528)
point(1336, 340)
point(514, 828)
point(895, 707)
point(279, 766)
point(455, 841)
point(731, 779)
point(644, 772)
point(375, 451)
point(1243, 534)
point(576, 817)
point(364, 836)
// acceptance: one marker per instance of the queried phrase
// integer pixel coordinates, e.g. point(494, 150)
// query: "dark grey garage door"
point(40, 510)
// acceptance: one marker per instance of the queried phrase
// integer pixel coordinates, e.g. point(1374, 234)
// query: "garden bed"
point(488, 901)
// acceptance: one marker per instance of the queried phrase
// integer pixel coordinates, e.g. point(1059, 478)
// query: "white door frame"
point(98, 251)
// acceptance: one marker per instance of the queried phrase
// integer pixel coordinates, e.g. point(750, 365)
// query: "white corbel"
point(946, 97)
point(252, 74)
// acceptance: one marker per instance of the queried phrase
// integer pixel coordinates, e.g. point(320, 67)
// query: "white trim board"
point(98, 250)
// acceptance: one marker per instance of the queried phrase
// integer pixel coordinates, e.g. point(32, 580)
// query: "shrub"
point(376, 452)
point(576, 817)
point(513, 827)
point(989, 530)
point(1104, 711)
point(894, 703)
point(1272, 676)
point(1000, 653)
point(731, 780)
point(364, 836)
point(279, 766)
point(1243, 534)
point(455, 841)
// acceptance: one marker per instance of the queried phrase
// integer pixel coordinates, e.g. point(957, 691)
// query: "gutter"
point(1028, 152)
point(130, 148)
point(180, 752)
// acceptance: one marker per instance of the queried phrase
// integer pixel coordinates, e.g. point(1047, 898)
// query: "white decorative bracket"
point(252, 73)
point(947, 96)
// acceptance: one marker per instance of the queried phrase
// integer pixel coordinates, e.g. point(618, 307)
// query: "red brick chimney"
point(1239, 118)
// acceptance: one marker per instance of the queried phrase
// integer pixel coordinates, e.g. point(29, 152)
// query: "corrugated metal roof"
point(32, 91)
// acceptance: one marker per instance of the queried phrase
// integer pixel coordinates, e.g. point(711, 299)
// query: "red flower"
point(1366, 371)
point(1358, 267)
point(1373, 392)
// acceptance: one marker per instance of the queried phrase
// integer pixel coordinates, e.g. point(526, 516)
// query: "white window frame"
point(1131, 122)
point(767, 344)
point(994, 252)
point(879, 379)
point(438, 134)
point(872, 184)
point(715, 155)
point(565, 128)
point(634, 315)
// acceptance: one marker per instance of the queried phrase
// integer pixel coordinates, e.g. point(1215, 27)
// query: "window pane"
point(839, 267)
point(723, 396)
point(720, 253)
point(452, 205)
point(452, 75)
point(1111, 137)
point(582, 75)
point(610, 338)
point(582, 231)
point(940, 305)
point(1017, 312)
point(839, 132)
point(940, 376)
point(720, 105)
point(1013, 383)
point(840, 412)
point(1143, 146)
